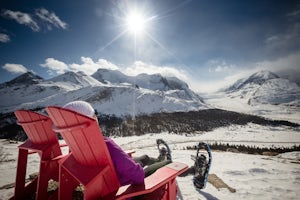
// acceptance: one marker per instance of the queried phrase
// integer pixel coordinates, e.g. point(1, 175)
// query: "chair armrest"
point(161, 177)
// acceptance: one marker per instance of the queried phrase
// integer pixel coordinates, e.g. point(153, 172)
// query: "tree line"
point(177, 122)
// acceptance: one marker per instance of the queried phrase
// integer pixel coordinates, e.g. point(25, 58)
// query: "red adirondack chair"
point(91, 165)
point(42, 140)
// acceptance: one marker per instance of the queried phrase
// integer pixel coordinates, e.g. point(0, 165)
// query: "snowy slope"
point(18, 96)
point(277, 91)
point(253, 176)
point(112, 93)
point(75, 79)
point(152, 82)
point(263, 93)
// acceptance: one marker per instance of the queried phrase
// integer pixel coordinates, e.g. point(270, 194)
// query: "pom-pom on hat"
point(81, 107)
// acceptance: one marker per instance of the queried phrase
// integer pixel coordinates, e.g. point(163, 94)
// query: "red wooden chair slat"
point(43, 140)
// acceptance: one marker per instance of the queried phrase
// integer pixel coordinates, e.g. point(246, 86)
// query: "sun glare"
point(135, 22)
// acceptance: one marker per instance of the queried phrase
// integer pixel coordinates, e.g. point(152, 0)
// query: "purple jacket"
point(128, 171)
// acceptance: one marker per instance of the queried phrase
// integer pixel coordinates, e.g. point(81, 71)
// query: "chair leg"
point(171, 190)
point(49, 171)
point(43, 179)
point(54, 168)
point(21, 173)
point(66, 185)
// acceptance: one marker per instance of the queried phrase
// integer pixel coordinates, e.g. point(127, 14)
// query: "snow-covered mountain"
point(263, 93)
point(110, 92)
point(258, 78)
point(265, 87)
point(24, 79)
point(152, 82)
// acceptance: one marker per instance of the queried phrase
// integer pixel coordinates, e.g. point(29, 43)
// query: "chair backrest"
point(88, 148)
point(83, 136)
point(38, 127)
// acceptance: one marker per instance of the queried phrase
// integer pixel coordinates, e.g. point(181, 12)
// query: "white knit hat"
point(81, 107)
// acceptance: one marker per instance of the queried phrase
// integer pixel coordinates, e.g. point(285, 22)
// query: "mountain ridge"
point(113, 93)
point(255, 78)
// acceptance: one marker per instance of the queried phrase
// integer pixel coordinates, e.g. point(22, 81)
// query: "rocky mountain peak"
point(26, 78)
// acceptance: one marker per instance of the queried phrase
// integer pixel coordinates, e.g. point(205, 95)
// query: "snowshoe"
point(164, 150)
point(202, 165)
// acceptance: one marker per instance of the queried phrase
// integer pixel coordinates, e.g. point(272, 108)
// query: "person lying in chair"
point(129, 170)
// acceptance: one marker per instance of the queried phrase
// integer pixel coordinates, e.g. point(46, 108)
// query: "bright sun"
point(135, 22)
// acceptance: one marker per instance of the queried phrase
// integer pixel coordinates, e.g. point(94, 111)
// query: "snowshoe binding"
point(164, 150)
point(202, 165)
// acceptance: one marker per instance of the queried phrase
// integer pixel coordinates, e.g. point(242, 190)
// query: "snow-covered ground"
point(253, 176)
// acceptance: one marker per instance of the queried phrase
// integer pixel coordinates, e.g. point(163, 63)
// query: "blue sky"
point(207, 43)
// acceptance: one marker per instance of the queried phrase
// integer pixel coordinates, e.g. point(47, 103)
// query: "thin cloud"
point(294, 14)
point(15, 68)
point(50, 18)
point(4, 38)
point(106, 64)
point(55, 65)
point(89, 66)
point(220, 66)
point(287, 41)
point(223, 68)
point(140, 67)
point(22, 18)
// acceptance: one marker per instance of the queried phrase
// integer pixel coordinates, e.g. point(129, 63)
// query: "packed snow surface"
point(252, 176)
